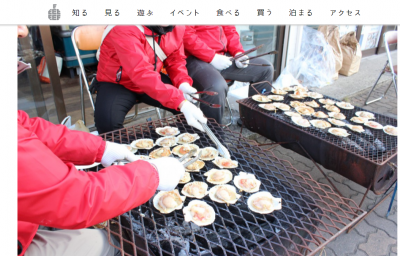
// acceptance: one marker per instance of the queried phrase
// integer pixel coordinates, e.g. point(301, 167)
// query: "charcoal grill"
point(311, 216)
point(366, 158)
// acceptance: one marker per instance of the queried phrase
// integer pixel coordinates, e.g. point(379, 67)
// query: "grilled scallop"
point(269, 107)
point(224, 194)
point(161, 152)
point(263, 202)
point(279, 92)
point(130, 148)
point(167, 131)
point(373, 125)
point(288, 89)
point(186, 178)
point(290, 113)
point(336, 122)
point(208, 154)
point(296, 104)
point(247, 182)
point(306, 111)
point(300, 121)
point(194, 167)
point(320, 124)
point(355, 128)
point(358, 120)
point(168, 201)
point(187, 138)
point(338, 132)
point(390, 130)
point(320, 114)
point(338, 116)
point(312, 104)
point(184, 149)
point(225, 163)
point(332, 108)
point(168, 141)
point(281, 106)
point(327, 101)
point(199, 212)
point(275, 97)
point(195, 189)
point(261, 98)
point(344, 105)
point(143, 144)
point(218, 176)
point(315, 95)
point(365, 114)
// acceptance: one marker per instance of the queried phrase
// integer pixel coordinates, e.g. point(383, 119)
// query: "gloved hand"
point(187, 90)
point(193, 115)
point(170, 172)
point(241, 64)
point(221, 62)
point(114, 152)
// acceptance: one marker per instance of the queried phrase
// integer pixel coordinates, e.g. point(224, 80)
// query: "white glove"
point(193, 115)
point(116, 152)
point(187, 90)
point(170, 172)
point(241, 64)
point(221, 62)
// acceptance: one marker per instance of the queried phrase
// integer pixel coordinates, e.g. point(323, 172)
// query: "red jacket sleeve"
point(131, 53)
point(234, 46)
point(175, 64)
point(63, 142)
point(196, 47)
point(54, 194)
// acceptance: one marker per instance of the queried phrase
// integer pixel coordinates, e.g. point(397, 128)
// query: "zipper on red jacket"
point(220, 38)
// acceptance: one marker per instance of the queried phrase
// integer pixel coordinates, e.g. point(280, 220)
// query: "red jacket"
point(126, 47)
point(51, 192)
point(204, 42)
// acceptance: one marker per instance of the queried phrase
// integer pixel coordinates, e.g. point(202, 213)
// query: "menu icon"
point(54, 14)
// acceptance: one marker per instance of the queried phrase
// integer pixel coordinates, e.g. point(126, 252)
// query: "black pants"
point(207, 78)
point(114, 101)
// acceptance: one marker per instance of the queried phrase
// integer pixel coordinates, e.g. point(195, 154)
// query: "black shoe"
point(239, 122)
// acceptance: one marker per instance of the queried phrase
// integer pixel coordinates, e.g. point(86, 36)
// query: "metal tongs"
point(221, 149)
point(188, 155)
point(212, 105)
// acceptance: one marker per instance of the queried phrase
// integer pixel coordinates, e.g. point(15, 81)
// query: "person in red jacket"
point(209, 49)
point(53, 193)
point(129, 72)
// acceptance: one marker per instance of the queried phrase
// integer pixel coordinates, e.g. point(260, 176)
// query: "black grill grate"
point(373, 144)
point(312, 214)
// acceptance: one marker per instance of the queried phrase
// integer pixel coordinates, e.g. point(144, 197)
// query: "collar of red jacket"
point(159, 30)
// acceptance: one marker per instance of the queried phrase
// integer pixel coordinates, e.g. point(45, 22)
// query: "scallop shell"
point(305, 111)
point(355, 128)
point(338, 132)
point(297, 97)
point(186, 178)
point(260, 98)
point(288, 89)
point(390, 130)
point(153, 154)
point(320, 114)
point(315, 95)
point(312, 104)
point(344, 105)
point(320, 124)
point(296, 104)
point(373, 125)
point(365, 114)
point(189, 217)
point(133, 144)
point(338, 116)
point(301, 88)
point(298, 119)
point(336, 122)
point(160, 194)
point(193, 138)
point(227, 176)
point(327, 101)
point(246, 176)
point(198, 183)
point(275, 97)
point(232, 189)
point(358, 120)
point(281, 106)
point(214, 154)
point(171, 139)
point(279, 92)
point(130, 148)
point(332, 108)
point(276, 203)
point(290, 113)
point(269, 107)
point(200, 164)
point(160, 130)
point(176, 149)
point(232, 163)
point(143, 157)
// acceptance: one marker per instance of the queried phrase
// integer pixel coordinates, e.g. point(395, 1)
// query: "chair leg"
point(366, 102)
point(230, 112)
point(78, 70)
point(158, 113)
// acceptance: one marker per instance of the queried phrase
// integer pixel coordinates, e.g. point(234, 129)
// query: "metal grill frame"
point(326, 149)
point(312, 213)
